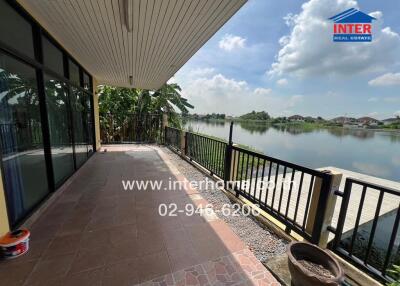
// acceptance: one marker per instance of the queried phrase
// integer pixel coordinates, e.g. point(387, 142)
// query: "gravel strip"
point(258, 238)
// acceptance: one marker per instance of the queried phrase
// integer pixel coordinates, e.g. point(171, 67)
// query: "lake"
point(375, 153)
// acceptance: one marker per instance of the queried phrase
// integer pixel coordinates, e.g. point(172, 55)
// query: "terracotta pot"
point(303, 277)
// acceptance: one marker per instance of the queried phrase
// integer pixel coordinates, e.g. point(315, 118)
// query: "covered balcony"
point(59, 182)
point(94, 232)
point(126, 214)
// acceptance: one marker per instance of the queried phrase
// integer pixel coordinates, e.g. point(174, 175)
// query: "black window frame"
point(55, 44)
point(38, 64)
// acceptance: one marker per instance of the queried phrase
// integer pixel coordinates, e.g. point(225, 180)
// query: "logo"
point(352, 26)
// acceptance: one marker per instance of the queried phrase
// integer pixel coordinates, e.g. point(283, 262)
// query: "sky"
point(278, 56)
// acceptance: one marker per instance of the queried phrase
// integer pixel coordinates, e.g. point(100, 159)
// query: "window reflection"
point(21, 138)
point(59, 126)
point(52, 56)
point(15, 31)
point(80, 125)
point(73, 73)
point(90, 126)
point(86, 81)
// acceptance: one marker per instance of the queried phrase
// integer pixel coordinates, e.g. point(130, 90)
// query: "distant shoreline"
point(316, 125)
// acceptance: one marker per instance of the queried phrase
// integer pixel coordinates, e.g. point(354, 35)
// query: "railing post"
point(234, 169)
point(228, 157)
point(186, 150)
point(164, 120)
point(183, 143)
point(322, 207)
point(234, 165)
point(164, 125)
point(342, 213)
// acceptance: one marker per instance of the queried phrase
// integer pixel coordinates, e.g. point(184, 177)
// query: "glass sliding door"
point(23, 159)
point(60, 130)
point(38, 75)
point(79, 124)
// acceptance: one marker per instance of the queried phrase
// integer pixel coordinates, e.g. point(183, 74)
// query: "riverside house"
point(59, 181)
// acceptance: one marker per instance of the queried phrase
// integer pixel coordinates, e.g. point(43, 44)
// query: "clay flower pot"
point(301, 276)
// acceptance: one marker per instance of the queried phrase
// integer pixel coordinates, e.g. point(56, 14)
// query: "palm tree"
point(143, 105)
point(168, 99)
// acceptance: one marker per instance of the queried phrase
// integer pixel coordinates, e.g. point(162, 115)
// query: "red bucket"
point(14, 244)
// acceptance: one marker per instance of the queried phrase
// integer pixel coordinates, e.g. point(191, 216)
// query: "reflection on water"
point(366, 151)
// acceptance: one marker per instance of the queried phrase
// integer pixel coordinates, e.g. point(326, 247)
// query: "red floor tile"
point(121, 274)
point(88, 260)
point(50, 268)
point(183, 257)
point(87, 278)
point(98, 234)
point(153, 265)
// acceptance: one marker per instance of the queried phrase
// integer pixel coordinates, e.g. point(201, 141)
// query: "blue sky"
point(278, 56)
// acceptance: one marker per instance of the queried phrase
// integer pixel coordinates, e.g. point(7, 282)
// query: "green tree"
point(168, 99)
point(262, 115)
point(115, 105)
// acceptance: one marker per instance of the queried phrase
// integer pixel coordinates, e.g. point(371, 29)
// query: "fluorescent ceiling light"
point(128, 14)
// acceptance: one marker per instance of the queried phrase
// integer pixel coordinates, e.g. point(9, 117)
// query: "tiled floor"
point(96, 233)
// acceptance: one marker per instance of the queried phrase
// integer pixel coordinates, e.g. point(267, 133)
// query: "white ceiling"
point(164, 34)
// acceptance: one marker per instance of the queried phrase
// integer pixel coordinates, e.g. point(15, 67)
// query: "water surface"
point(370, 152)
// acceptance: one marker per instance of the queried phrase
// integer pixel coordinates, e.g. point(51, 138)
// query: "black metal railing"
point(172, 138)
point(282, 189)
point(370, 243)
point(298, 197)
point(250, 174)
point(131, 128)
point(206, 151)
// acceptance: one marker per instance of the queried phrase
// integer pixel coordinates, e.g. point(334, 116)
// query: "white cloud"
point(231, 42)
point(282, 82)
point(218, 93)
point(309, 50)
point(332, 94)
point(294, 100)
point(373, 114)
point(397, 113)
point(386, 79)
point(290, 19)
point(262, 91)
point(194, 74)
point(392, 99)
point(376, 14)
point(388, 99)
point(283, 41)
point(202, 72)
